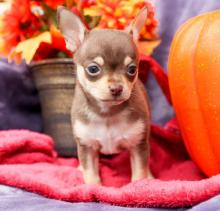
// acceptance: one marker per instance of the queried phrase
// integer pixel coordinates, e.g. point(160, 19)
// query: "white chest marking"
point(108, 134)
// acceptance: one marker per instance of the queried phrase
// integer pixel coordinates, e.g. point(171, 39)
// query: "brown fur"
point(113, 46)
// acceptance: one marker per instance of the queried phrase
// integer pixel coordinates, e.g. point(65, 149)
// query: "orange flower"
point(82, 4)
point(53, 3)
point(119, 13)
point(18, 24)
point(29, 22)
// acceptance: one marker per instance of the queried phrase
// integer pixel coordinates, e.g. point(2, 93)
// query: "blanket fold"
point(23, 146)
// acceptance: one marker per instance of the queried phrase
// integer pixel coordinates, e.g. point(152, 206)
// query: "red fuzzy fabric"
point(28, 161)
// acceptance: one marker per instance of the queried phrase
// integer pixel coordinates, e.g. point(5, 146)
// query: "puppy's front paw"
point(92, 179)
point(80, 168)
point(89, 177)
point(142, 175)
point(150, 175)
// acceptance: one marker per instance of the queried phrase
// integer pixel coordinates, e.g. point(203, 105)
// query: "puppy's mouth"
point(112, 101)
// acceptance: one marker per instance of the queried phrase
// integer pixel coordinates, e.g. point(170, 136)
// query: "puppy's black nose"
point(116, 90)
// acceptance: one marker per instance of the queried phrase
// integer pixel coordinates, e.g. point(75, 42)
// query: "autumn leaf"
point(27, 49)
point(58, 41)
point(147, 47)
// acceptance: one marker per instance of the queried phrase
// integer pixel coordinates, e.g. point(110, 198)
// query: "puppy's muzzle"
point(116, 90)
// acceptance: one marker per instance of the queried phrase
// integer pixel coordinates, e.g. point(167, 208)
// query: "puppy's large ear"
point(136, 25)
point(71, 27)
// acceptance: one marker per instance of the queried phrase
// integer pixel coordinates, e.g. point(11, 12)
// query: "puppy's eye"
point(93, 69)
point(132, 69)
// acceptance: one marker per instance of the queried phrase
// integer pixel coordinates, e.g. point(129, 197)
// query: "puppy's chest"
point(110, 135)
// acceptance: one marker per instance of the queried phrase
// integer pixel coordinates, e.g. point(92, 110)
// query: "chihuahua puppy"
point(110, 110)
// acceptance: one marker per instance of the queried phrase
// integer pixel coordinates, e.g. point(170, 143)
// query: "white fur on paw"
point(150, 175)
point(92, 180)
point(140, 176)
point(80, 168)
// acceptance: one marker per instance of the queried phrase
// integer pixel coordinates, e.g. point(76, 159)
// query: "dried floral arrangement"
point(28, 29)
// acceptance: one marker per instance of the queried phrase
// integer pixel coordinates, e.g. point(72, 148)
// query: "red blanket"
point(28, 161)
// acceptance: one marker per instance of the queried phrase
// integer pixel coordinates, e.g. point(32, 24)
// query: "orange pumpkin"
point(194, 79)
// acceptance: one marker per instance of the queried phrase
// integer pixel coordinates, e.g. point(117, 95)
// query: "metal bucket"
point(55, 81)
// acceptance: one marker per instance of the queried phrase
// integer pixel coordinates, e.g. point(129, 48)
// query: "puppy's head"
point(106, 60)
